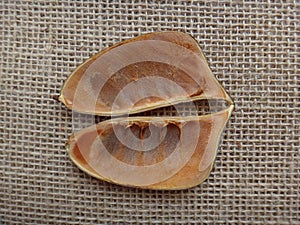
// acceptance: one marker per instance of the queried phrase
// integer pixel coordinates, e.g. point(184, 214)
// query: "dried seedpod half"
point(150, 152)
point(143, 73)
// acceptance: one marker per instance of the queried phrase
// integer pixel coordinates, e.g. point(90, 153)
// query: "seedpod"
point(139, 75)
point(143, 73)
point(177, 154)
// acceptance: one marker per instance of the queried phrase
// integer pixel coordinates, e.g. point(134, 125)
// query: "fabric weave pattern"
point(252, 48)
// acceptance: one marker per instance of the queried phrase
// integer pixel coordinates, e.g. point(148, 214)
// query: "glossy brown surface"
point(182, 158)
point(158, 69)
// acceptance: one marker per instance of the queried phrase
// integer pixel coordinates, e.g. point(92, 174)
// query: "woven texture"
point(252, 48)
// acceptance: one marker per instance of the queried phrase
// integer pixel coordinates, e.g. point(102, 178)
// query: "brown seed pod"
point(141, 74)
point(179, 154)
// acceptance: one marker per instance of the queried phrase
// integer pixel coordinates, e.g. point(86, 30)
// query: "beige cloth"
point(252, 48)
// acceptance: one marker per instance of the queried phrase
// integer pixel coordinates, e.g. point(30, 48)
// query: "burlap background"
point(252, 48)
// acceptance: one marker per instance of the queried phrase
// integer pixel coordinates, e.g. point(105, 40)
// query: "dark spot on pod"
point(197, 93)
point(55, 97)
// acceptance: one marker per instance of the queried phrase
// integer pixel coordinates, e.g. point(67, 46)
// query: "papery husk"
point(93, 87)
point(144, 73)
point(193, 171)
